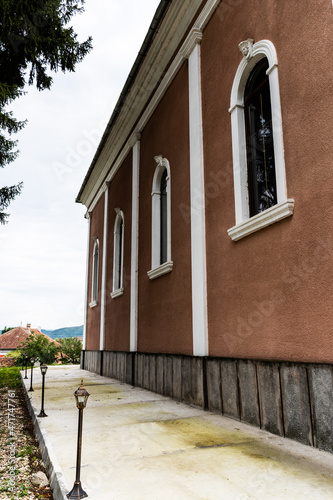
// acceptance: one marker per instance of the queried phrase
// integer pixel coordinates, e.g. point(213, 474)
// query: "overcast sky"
point(43, 246)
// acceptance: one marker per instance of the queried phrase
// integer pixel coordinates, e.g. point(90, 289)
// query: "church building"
point(210, 240)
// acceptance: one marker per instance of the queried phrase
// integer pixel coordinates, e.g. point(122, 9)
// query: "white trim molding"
point(206, 13)
point(252, 54)
point(104, 269)
point(155, 68)
point(135, 241)
point(94, 275)
point(162, 165)
point(117, 293)
point(264, 219)
point(197, 190)
point(163, 64)
point(84, 340)
point(118, 253)
point(164, 268)
point(194, 37)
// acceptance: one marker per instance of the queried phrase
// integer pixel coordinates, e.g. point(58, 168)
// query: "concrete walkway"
point(138, 445)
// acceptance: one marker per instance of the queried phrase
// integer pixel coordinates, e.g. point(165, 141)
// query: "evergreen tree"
point(34, 38)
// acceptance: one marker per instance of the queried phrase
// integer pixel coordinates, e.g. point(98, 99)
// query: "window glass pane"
point(95, 273)
point(164, 218)
point(260, 145)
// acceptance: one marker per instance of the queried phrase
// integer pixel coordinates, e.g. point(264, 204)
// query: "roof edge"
point(156, 22)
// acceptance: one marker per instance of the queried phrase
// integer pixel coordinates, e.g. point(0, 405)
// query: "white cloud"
point(43, 247)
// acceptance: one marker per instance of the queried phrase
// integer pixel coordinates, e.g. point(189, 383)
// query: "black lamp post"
point(81, 396)
point(26, 365)
point(32, 361)
point(43, 369)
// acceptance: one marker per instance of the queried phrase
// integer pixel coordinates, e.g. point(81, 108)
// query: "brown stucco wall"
point(117, 316)
point(94, 314)
point(165, 311)
point(269, 294)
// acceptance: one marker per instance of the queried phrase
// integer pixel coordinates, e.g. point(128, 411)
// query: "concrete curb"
point(56, 476)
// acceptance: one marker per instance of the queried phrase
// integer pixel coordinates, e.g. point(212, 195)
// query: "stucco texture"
point(270, 294)
point(117, 316)
point(94, 313)
point(165, 304)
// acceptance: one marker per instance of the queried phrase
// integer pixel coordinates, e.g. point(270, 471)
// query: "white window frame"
point(245, 224)
point(158, 269)
point(118, 268)
point(94, 275)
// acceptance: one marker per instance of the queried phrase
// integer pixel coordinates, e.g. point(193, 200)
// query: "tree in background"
point(34, 38)
point(70, 349)
point(39, 347)
point(18, 356)
point(5, 329)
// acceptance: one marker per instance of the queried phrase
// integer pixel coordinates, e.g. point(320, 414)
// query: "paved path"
point(138, 445)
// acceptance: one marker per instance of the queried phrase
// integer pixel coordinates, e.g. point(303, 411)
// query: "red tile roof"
point(14, 338)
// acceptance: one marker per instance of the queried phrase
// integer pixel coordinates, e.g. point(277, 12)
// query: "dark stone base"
point(294, 400)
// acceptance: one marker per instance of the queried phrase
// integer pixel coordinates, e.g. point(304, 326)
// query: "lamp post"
point(32, 361)
point(81, 396)
point(43, 369)
point(26, 365)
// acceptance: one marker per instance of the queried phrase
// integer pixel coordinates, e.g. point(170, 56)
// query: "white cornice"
point(206, 14)
point(177, 21)
point(192, 39)
point(135, 137)
point(100, 193)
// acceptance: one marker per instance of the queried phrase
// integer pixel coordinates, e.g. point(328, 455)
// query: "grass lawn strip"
point(20, 455)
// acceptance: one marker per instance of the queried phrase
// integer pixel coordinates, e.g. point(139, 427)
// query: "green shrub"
point(10, 377)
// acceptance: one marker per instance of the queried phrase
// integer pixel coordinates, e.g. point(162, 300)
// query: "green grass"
point(26, 450)
point(23, 490)
point(10, 377)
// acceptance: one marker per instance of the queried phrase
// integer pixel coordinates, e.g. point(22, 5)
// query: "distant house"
point(12, 339)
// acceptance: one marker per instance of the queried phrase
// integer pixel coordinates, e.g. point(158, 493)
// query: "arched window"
point(94, 281)
point(161, 220)
point(118, 254)
point(257, 141)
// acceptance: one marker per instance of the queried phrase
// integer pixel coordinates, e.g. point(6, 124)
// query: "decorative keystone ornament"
point(246, 48)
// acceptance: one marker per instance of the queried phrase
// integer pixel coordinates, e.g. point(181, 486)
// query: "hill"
point(61, 333)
